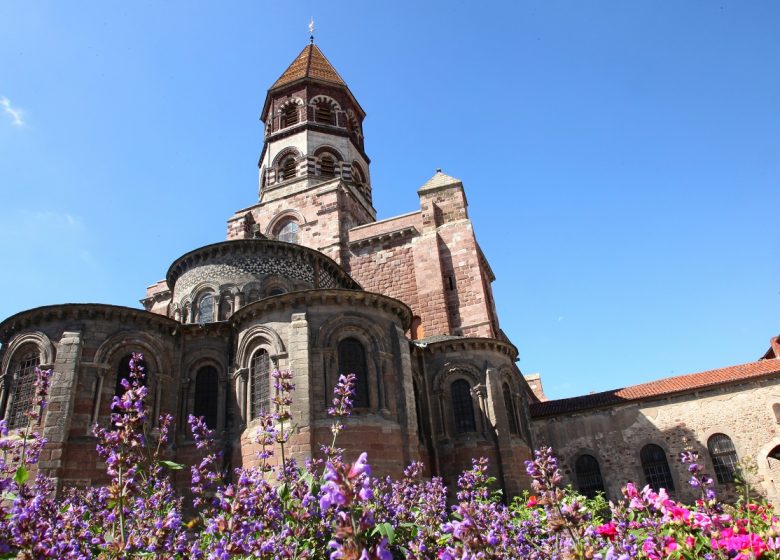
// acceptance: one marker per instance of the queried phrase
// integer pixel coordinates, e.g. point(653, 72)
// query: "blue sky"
point(621, 159)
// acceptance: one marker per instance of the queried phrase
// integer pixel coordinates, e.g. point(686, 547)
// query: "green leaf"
point(386, 530)
point(21, 476)
point(171, 465)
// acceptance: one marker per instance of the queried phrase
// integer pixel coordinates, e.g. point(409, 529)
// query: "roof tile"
point(659, 388)
point(311, 63)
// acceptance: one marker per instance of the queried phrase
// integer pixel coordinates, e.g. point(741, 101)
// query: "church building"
point(308, 280)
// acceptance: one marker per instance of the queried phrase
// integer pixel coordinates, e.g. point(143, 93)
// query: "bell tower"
point(314, 183)
point(313, 133)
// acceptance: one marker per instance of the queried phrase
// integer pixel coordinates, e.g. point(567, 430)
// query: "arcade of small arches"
point(321, 110)
point(209, 304)
point(326, 163)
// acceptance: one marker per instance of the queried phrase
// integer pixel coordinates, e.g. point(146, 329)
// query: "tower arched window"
point(324, 113)
point(352, 359)
point(509, 404)
point(724, 457)
point(207, 395)
point(22, 389)
point(288, 168)
point(656, 467)
point(462, 407)
point(588, 475)
point(253, 295)
point(205, 309)
point(287, 231)
point(260, 380)
point(289, 115)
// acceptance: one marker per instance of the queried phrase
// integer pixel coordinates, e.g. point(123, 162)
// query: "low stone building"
point(729, 416)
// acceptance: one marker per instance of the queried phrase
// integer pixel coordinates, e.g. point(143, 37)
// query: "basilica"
point(307, 280)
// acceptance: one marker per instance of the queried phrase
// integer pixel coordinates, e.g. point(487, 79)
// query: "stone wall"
point(615, 435)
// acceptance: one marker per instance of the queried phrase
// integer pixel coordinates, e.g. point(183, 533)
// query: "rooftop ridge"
point(658, 388)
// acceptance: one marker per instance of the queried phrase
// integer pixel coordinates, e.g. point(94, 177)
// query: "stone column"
point(304, 441)
point(62, 396)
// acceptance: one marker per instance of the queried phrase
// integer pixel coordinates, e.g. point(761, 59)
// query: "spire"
point(311, 63)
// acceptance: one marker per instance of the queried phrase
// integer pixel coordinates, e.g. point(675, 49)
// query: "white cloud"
point(16, 114)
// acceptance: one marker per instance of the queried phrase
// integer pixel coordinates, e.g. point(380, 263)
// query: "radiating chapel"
point(308, 280)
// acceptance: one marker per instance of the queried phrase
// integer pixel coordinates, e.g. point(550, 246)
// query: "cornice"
point(352, 298)
point(457, 344)
point(409, 231)
point(83, 312)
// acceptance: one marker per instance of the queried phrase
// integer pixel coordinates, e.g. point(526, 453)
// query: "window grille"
point(324, 113)
point(207, 395)
point(509, 404)
point(352, 359)
point(462, 407)
point(724, 457)
point(23, 390)
point(656, 468)
point(588, 473)
point(289, 170)
point(289, 115)
point(327, 166)
point(206, 309)
point(288, 232)
point(260, 378)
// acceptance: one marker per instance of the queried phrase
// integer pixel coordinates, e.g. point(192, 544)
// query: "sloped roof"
point(311, 63)
point(659, 388)
point(440, 180)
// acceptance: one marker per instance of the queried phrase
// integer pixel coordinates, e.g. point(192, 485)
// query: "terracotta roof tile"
point(311, 63)
point(660, 388)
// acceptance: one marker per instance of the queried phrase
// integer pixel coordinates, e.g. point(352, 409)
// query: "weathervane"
point(311, 30)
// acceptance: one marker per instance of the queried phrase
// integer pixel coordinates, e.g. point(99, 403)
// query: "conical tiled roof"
point(311, 63)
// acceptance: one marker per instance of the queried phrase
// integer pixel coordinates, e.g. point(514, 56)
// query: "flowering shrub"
point(334, 508)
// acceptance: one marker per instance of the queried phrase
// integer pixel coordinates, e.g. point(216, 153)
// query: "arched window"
point(462, 407)
point(275, 292)
point(509, 404)
point(289, 115)
point(352, 359)
point(123, 372)
point(260, 379)
point(324, 113)
point(288, 168)
point(358, 177)
point(206, 309)
point(287, 231)
point(588, 474)
point(724, 457)
point(253, 295)
point(207, 395)
point(328, 166)
point(22, 386)
point(225, 307)
point(656, 468)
